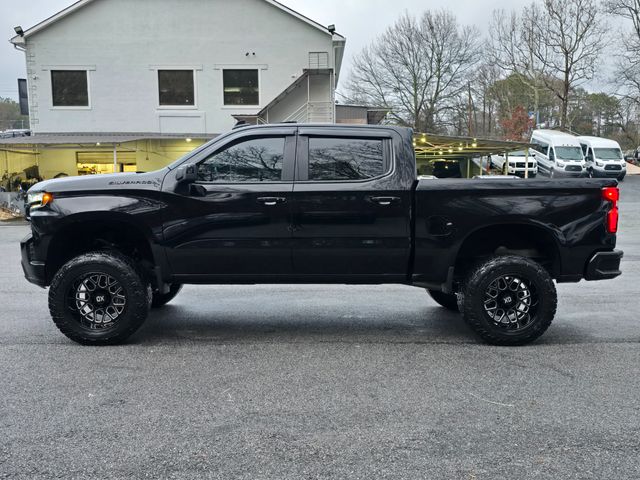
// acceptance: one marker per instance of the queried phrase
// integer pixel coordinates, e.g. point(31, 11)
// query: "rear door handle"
point(271, 201)
point(386, 201)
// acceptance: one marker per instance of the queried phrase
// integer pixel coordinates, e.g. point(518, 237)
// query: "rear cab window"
point(344, 159)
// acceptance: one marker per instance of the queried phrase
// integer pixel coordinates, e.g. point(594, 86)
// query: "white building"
point(151, 79)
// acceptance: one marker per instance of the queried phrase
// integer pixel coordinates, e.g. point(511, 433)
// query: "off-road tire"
point(447, 300)
point(161, 299)
point(472, 297)
point(121, 268)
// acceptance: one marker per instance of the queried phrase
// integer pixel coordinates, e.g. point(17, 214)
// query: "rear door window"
point(345, 159)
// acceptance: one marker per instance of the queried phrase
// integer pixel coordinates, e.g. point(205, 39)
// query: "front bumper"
point(520, 173)
point(34, 271)
point(602, 173)
point(562, 173)
point(604, 265)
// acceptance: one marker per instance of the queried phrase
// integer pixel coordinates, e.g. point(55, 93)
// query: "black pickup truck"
point(315, 204)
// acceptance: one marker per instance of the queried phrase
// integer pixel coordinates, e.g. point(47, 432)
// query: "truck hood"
point(113, 181)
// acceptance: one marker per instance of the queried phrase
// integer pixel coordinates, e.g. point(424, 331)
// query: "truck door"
point(350, 209)
point(234, 221)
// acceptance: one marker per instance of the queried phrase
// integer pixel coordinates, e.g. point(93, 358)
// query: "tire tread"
point(474, 319)
point(139, 296)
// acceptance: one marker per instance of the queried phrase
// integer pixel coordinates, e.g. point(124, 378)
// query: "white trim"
point(299, 16)
point(176, 67)
point(89, 106)
point(19, 39)
point(195, 88)
point(45, 68)
point(240, 66)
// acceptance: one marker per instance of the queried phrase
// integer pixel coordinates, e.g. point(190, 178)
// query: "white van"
point(604, 157)
point(558, 154)
point(518, 163)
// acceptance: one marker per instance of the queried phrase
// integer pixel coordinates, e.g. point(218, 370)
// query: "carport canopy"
point(429, 145)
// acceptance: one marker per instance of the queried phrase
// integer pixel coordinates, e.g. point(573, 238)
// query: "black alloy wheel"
point(99, 298)
point(511, 302)
point(508, 300)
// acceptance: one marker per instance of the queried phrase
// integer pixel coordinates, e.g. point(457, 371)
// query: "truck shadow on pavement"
point(179, 324)
point(182, 324)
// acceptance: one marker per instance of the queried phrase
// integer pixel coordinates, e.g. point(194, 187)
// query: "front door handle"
point(386, 201)
point(271, 201)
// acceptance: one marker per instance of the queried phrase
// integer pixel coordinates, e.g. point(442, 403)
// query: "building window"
point(176, 88)
point(241, 87)
point(69, 88)
point(250, 161)
point(332, 159)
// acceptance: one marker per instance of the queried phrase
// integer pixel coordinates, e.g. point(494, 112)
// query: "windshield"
point(517, 153)
point(569, 153)
point(608, 153)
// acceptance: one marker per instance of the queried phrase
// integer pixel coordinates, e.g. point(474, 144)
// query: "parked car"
point(519, 162)
point(558, 154)
point(604, 157)
point(447, 169)
point(314, 204)
point(16, 132)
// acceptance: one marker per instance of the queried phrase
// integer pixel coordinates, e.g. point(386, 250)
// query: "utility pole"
point(470, 111)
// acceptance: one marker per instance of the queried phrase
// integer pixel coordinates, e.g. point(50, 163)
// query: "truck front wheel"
point(508, 300)
point(447, 300)
point(99, 298)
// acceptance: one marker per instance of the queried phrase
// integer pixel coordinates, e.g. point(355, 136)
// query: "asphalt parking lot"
point(324, 382)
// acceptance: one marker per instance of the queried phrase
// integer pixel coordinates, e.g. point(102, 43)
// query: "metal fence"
point(13, 203)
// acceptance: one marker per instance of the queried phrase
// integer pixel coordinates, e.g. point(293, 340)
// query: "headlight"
point(560, 163)
point(39, 199)
point(599, 164)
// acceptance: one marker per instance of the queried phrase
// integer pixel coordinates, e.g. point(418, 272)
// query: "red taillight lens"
point(612, 194)
point(612, 220)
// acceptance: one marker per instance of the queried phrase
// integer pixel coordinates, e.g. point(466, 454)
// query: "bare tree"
point(571, 39)
point(628, 70)
point(417, 68)
point(555, 45)
point(511, 47)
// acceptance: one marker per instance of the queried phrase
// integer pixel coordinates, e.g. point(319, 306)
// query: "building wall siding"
point(123, 43)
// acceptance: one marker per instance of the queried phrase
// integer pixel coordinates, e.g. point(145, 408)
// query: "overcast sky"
point(359, 20)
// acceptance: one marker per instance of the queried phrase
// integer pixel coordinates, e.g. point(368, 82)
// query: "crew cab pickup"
point(315, 204)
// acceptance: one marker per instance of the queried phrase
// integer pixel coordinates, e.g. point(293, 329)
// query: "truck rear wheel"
point(447, 300)
point(99, 298)
point(508, 300)
point(161, 299)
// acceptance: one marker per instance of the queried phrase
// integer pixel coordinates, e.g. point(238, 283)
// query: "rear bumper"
point(34, 271)
point(604, 265)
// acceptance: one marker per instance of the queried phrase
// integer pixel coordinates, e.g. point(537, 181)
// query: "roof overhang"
point(20, 39)
point(93, 139)
point(307, 20)
point(339, 44)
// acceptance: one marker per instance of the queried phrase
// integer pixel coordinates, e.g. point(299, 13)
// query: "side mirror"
point(186, 173)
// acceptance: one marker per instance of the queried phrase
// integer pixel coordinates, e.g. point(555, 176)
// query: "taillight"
point(612, 195)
